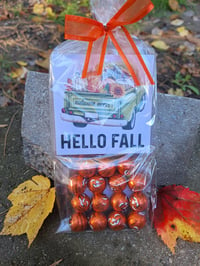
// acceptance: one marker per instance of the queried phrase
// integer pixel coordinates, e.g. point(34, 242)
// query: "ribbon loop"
point(82, 29)
point(131, 12)
point(92, 31)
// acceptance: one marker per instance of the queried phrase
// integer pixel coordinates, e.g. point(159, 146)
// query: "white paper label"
point(100, 115)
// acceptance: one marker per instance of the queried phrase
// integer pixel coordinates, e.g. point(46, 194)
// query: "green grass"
point(74, 7)
point(163, 5)
point(184, 83)
point(70, 8)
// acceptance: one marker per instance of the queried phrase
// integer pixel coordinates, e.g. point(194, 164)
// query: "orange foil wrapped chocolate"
point(106, 168)
point(116, 221)
point(138, 201)
point(98, 221)
point(78, 222)
point(87, 168)
point(97, 184)
point(137, 182)
point(77, 184)
point(125, 168)
point(119, 201)
point(100, 203)
point(80, 203)
point(136, 220)
point(117, 182)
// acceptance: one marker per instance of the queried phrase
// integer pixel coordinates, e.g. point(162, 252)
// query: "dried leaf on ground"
point(177, 215)
point(4, 17)
point(187, 48)
point(159, 44)
point(177, 22)
point(45, 54)
point(38, 9)
point(19, 73)
point(174, 5)
point(32, 202)
point(157, 31)
point(43, 63)
point(193, 39)
point(182, 31)
point(49, 12)
point(37, 19)
point(177, 92)
point(22, 63)
point(60, 28)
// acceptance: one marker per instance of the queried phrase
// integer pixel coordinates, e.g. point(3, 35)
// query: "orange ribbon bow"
point(94, 32)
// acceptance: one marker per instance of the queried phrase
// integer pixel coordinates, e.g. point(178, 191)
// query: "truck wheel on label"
point(131, 123)
point(80, 124)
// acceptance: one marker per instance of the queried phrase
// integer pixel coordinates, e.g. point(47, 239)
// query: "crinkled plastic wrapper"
point(101, 133)
point(105, 192)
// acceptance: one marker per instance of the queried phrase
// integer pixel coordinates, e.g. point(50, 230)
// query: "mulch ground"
point(27, 40)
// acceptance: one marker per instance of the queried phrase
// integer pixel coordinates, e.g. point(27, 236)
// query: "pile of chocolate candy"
point(105, 195)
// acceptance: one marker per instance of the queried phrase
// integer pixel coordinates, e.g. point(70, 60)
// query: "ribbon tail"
point(95, 55)
point(87, 60)
point(138, 55)
point(103, 52)
point(124, 58)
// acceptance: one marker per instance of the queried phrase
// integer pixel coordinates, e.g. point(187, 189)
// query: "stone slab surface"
point(176, 133)
point(176, 136)
point(104, 248)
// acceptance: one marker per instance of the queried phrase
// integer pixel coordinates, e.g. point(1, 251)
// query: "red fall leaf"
point(177, 215)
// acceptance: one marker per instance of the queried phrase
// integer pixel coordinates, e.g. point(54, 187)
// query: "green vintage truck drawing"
point(82, 108)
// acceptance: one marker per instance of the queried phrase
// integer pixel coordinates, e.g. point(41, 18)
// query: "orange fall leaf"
point(177, 215)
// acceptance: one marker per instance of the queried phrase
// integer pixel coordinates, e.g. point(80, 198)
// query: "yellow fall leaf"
point(32, 202)
point(19, 73)
point(49, 12)
point(38, 9)
point(21, 63)
point(182, 31)
point(177, 92)
point(183, 230)
point(160, 45)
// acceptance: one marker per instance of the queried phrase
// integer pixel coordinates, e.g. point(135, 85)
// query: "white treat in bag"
point(103, 97)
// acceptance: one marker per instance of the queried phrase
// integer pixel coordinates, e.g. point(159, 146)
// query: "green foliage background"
point(163, 5)
point(74, 7)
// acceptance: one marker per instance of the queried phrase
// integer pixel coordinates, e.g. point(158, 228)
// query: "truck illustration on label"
point(110, 99)
point(84, 108)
